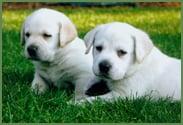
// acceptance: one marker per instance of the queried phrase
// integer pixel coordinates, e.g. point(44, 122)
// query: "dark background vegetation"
point(24, 5)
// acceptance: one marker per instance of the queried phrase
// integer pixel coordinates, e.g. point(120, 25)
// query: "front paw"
point(83, 101)
point(77, 102)
point(39, 88)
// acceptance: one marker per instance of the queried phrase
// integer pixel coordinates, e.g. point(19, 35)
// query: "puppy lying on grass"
point(127, 58)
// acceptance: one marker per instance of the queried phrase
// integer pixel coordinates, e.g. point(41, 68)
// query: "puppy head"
point(116, 47)
point(44, 32)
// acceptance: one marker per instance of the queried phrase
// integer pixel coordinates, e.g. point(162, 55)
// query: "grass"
point(21, 105)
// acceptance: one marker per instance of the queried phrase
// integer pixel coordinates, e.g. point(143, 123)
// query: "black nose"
point(104, 67)
point(32, 50)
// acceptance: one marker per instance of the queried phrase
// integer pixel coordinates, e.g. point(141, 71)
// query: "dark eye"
point(99, 48)
point(121, 53)
point(45, 35)
point(27, 34)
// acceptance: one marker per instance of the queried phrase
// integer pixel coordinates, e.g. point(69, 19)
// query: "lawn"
point(22, 105)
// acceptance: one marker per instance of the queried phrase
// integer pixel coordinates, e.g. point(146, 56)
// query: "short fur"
point(144, 69)
point(60, 58)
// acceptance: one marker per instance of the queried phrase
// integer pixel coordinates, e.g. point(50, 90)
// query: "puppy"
point(50, 41)
point(127, 57)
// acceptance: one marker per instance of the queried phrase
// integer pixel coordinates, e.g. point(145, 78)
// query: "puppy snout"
point(104, 67)
point(32, 50)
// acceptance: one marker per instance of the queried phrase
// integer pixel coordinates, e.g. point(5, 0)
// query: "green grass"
point(21, 105)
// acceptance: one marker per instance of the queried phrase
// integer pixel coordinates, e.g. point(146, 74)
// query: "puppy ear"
point(90, 37)
point(67, 31)
point(143, 45)
point(22, 34)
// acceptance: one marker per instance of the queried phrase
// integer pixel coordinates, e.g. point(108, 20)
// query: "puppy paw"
point(39, 88)
point(86, 100)
point(71, 102)
point(81, 102)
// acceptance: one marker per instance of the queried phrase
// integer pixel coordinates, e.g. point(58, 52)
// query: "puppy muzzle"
point(33, 52)
point(104, 67)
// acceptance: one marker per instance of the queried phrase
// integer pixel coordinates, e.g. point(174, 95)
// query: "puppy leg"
point(82, 84)
point(80, 87)
point(79, 92)
point(38, 84)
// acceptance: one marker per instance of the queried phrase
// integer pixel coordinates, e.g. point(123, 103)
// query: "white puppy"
point(127, 57)
point(51, 42)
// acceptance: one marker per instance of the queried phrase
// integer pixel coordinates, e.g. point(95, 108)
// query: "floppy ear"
point(22, 35)
point(90, 37)
point(67, 31)
point(143, 45)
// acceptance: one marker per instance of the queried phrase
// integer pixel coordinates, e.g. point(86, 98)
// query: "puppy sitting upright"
point(127, 57)
point(51, 42)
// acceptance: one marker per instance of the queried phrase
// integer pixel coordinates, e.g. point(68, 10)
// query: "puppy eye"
point(45, 35)
point(99, 48)
point(27, 34)
point(121, 53)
